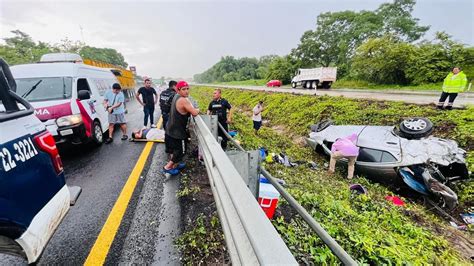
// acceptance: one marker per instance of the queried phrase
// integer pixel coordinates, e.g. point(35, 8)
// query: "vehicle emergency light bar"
point(61, 58)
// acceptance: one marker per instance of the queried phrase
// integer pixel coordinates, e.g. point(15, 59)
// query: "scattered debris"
point(395, 200)
point(468, 218)
point(358, 189)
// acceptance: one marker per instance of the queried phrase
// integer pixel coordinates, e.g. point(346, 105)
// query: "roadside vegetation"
point(382, 48)
point(368, 227)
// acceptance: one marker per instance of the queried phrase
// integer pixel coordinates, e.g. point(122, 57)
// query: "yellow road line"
point(101, 247)
point(159, 122)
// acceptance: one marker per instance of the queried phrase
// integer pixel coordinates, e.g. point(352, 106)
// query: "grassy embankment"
point(368, 227)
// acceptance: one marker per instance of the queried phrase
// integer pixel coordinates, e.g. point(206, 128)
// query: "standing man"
point(454, 83)
point(114, 104)
point(166, 98)
point(149, 100)
point(219, 107)
point(176, 135)
point(257, 116)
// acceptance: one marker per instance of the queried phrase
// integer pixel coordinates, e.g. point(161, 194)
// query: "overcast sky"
point(179, 39)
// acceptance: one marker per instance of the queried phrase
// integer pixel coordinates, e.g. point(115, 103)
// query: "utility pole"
point(82, 35)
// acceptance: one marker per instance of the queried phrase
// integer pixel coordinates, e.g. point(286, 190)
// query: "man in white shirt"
point(257, 116)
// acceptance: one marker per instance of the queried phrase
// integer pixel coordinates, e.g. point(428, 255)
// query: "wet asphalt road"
point(102, 172)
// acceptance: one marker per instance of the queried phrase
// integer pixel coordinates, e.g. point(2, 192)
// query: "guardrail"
point(250, 237)
point(338, 251)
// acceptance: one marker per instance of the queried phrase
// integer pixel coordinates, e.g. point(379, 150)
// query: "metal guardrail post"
point(251, 238)
point(325, 237)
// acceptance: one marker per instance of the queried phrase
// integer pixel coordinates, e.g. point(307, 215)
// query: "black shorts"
point(257, 125)
point(176, 147)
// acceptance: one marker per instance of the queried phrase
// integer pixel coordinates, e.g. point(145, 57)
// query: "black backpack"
point(166, 98)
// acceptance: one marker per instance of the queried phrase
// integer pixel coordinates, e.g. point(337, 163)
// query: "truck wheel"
point(97, 135)
point(293, 85)
point(308, 85)
point(314, 84)
point(326, 85)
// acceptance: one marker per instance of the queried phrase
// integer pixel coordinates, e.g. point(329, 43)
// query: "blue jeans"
point(148, 110)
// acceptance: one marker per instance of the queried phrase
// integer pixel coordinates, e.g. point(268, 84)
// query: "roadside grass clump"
point(203, 241)
point(368, 227)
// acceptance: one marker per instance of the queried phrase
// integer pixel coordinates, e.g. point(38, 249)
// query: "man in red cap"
point(176, 134)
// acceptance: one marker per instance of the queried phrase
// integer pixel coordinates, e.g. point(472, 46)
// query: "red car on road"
point(274, 83)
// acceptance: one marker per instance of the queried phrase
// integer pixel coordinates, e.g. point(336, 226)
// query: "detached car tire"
point(415, 128)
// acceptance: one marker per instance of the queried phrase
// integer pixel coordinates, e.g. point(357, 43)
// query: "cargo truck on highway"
point(321, 77)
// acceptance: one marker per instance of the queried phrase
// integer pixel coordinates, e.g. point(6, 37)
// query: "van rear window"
point(44, 89)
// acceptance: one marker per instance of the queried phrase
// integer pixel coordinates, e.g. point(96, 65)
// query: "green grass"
point(355, 84)
point(250, 82)
point(368, 227)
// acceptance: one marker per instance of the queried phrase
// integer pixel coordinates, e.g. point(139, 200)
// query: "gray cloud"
point(180, 39)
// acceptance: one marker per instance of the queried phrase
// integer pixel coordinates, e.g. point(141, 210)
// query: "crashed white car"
point(388, 155)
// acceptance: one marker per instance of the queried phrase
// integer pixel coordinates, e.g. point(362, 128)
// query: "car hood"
point(431, 149)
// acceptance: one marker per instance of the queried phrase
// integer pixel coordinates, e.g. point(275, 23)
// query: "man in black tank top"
point(176, 135)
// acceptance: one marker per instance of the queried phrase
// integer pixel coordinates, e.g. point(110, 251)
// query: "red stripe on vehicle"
point(53, 112)
point(86, 119)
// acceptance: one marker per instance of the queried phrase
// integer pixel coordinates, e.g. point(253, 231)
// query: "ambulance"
point(67, 96)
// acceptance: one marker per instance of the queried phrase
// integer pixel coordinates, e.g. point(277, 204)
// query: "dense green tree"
point(282, 68)
point(106, 55)
point(382, 60)
point(21, 49)
point(338, 34)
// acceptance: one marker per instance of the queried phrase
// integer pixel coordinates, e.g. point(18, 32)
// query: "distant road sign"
point(133, 69)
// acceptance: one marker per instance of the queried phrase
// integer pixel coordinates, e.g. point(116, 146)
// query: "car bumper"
point(43, 225)
point(75, 134)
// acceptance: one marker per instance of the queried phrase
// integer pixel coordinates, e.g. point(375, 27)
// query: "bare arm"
point(190, 108)
point(229, 117)
point(138, 98)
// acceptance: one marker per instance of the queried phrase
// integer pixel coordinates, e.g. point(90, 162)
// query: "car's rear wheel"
point(97, 135)
point(293, 85)
point(416, 128)
point(314, 84)
point(308, 85)
point(326, 85)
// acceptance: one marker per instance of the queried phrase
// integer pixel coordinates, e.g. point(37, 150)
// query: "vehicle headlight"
point(69, 120)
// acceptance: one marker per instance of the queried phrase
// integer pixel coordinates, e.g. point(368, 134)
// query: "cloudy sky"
point(179, 39)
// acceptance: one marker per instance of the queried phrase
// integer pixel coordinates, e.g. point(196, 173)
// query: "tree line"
point(22, 49)
point(382, 46)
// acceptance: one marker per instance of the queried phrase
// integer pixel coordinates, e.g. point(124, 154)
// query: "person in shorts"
point(114, 104)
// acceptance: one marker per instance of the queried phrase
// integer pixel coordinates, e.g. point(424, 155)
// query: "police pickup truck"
point(34, 197)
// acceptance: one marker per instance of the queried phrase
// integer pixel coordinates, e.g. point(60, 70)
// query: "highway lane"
point(102, 173)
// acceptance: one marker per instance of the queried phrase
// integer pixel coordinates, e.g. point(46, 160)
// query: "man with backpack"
point(166, 98)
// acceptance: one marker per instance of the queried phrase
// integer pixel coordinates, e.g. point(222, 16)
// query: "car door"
point(98, 88)
point(34, 197)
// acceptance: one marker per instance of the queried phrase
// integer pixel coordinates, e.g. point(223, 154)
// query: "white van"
point(67, 96)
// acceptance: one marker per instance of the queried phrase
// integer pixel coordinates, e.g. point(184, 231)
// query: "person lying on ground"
point(149, 134)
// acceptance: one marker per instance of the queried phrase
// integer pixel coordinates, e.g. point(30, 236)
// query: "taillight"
point(47, 144)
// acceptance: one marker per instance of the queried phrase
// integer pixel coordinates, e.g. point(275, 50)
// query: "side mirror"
point(83, 95)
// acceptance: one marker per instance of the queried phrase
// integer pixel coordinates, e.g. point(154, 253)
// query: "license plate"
point(66, 132)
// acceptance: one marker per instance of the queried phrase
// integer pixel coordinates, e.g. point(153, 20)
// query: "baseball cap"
point(181, 84)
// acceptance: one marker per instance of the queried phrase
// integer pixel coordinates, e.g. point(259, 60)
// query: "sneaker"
point(181, 166)
point(124, 137)
point(109, 140)
point(153, 126)
point(172, 171)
